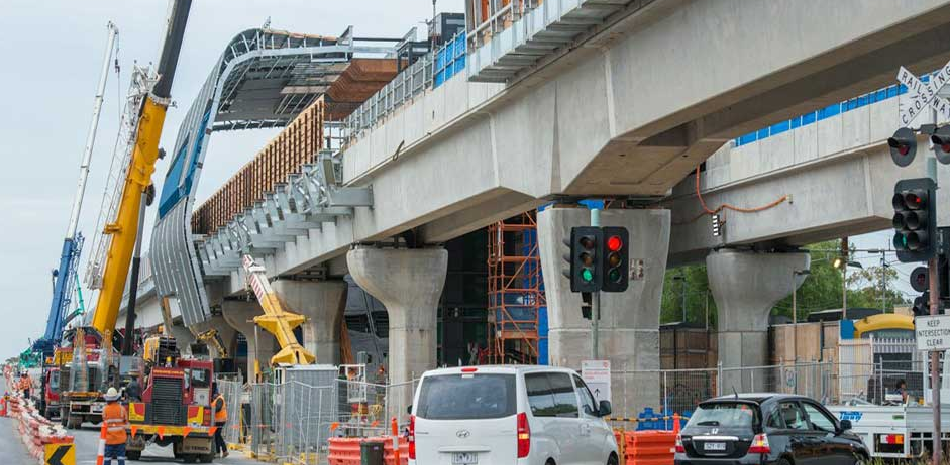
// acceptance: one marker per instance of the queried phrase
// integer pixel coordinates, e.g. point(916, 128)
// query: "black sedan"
point(774, 429)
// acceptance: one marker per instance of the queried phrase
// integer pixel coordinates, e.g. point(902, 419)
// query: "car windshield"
point(467, 396)
point(724, 415)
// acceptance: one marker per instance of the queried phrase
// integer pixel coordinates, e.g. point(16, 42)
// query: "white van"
point(505, 414)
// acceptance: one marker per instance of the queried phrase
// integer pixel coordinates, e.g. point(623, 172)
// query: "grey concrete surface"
point(409, 283)
point(240, 315)
point(746, 285)
point(225, 331)
point(629, 334)
point(323, 303)
point(837, 174)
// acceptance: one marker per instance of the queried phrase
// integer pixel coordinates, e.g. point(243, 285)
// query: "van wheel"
point(550, 462)
point(612, 460)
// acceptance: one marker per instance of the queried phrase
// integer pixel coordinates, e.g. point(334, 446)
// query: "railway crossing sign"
point(59, 454)
point(924, 94)
point(933, 332)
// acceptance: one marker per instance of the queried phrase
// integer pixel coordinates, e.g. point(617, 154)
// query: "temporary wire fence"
point(645, 395)
point(292, 422)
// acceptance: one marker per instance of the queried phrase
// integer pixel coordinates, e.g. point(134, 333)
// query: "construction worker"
point(116, 419)
point(25, 385)
point(220, 409)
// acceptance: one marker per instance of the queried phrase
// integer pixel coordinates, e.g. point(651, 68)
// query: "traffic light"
point(941, 140)
point(915, 219)
point(585, 259)
point(903, 146)
point(922, 304)
point(920, 279)
point(617, 260)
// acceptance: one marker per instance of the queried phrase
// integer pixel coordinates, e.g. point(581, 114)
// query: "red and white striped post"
point(100, 458)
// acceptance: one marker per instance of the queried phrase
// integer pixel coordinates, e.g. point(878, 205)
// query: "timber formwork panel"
point(285, 154)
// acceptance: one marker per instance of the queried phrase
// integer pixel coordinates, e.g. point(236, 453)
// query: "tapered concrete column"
point(183, 338)
point(240, 315)
point(225, 331)
point(746, 285)
point(629, 334)
point(323, 303)
point(409, 284)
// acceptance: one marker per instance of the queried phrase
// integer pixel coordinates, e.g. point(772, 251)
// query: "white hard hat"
point(111, 395)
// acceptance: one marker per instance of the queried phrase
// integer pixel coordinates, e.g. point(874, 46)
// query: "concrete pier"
point(629, 335)
point(409, 284)
point(323, 303)
point(746, 285)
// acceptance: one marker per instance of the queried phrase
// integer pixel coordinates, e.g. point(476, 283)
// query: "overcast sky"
point(52, 53)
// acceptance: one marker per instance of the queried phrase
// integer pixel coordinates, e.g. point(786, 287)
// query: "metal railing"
point(414, 80)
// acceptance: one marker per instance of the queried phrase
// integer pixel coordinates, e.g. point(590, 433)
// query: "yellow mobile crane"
point(276, 318)
point(118, 248)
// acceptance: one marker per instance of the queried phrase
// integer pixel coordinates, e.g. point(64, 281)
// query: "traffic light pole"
point(932, 264)
point(595, 300)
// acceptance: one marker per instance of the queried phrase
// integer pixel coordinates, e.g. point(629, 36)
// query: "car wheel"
point(782, 462)
point(133, 454)
point(860, 459)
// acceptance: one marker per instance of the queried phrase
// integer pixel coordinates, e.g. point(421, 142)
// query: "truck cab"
point(51, 392)
point(176, 398)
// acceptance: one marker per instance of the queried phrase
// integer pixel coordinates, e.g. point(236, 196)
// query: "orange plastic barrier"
point(346, 451)
point(649, 447)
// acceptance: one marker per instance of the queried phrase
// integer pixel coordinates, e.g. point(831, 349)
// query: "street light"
point(795, 275)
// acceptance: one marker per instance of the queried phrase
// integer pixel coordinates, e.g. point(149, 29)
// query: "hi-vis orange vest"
point(116, 420)
point(220, 410)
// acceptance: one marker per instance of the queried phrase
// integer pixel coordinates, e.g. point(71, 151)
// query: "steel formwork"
point(514, 290)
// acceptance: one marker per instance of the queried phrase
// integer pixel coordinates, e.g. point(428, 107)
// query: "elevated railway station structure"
point(375, 204)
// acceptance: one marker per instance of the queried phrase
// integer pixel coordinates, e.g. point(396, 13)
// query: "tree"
point(875, 287)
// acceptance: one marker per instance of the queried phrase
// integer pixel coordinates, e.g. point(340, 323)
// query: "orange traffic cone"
point(676, 423)
point(100, 458)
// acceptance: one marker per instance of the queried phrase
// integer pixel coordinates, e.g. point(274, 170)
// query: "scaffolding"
point(515, 290)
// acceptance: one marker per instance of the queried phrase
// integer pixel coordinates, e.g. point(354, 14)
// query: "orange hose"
point(727, 206)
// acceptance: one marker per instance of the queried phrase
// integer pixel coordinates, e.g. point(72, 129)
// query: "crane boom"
point(125, 227)
point(72, 245)
point(276, 319)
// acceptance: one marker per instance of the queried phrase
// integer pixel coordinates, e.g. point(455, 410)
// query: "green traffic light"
point(614, 275)
point(588, 275)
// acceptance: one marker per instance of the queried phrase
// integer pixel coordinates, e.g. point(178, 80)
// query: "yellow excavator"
point(119, 255)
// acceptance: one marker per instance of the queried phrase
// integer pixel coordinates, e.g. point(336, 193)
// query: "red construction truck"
point(175, 408)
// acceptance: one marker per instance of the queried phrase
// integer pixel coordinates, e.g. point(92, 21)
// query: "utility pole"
point(595, 299)
point(935, 384)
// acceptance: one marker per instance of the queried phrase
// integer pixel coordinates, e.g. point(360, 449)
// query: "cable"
point(727, 206)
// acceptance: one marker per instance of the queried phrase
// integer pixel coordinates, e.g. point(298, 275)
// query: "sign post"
point(933, 332)
point(596, 374)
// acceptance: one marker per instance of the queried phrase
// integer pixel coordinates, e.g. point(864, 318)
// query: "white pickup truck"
point(900, 431)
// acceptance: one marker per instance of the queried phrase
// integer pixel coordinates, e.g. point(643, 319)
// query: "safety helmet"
point(111, 395)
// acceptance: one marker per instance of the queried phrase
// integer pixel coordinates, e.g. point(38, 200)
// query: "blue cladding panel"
point(180, 177)
point(827, 112)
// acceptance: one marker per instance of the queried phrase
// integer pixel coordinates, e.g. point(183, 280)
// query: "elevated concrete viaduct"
point(627, 109)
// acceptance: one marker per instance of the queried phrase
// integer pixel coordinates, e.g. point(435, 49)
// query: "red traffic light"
point(614, 243)
point(913, 200)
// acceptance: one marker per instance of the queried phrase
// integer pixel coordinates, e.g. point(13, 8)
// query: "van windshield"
point(467, 396)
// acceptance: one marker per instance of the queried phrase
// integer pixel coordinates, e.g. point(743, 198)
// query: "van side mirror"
point(604, 408)
point(845, 425)
point(409, 409)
